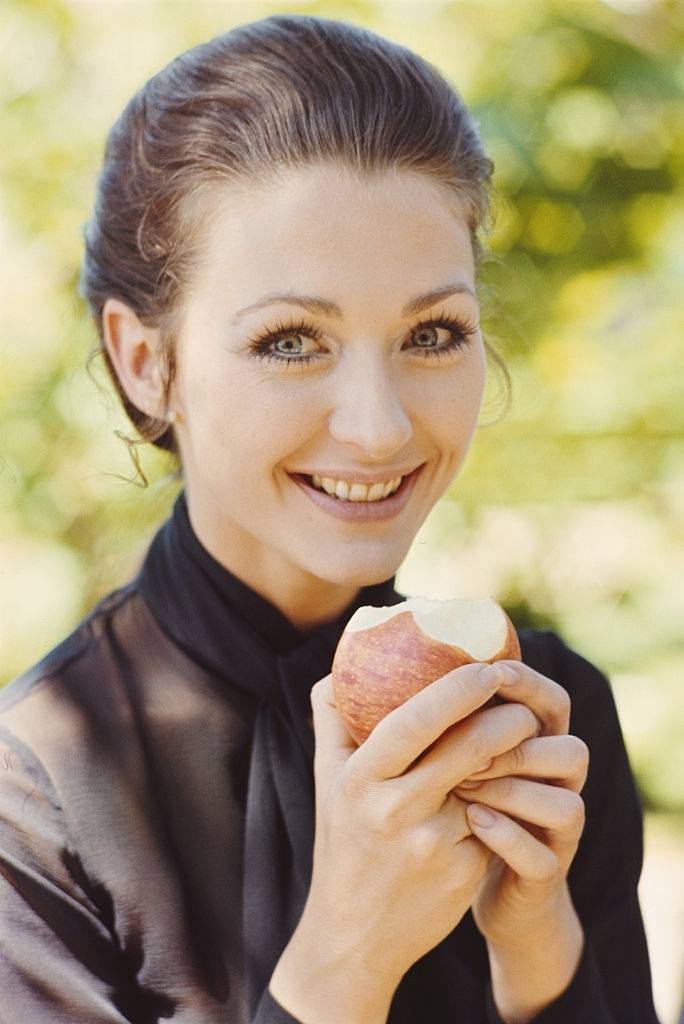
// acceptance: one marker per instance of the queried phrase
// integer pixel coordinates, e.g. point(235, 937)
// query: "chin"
point(353, 570)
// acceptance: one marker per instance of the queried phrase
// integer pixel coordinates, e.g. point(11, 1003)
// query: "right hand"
point(395, 865)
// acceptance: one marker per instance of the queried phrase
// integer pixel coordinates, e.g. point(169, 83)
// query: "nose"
point(369, 414)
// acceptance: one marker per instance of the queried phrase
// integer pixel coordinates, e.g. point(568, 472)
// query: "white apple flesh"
point(385, 655)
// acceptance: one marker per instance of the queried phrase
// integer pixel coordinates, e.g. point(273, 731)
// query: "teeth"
point(346, 491)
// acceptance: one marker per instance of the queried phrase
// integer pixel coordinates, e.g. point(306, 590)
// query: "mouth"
point(359, 511)
point(307, 479)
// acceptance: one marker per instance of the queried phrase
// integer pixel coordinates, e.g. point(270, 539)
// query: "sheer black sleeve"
point(271, 1012)
point(59, 964)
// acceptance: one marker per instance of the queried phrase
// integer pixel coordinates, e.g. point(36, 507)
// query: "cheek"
point(249, 423)
point(468, 391)
point(475, 370)
point(451, 403)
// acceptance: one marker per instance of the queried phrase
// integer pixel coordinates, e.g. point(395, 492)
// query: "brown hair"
point(284, 91)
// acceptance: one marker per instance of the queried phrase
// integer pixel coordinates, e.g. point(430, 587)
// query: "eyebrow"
point(324, 307)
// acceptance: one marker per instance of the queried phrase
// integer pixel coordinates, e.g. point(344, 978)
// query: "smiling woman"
point(369, 390)
point(282, 269)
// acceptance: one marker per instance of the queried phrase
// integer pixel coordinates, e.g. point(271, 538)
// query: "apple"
point(387, 654)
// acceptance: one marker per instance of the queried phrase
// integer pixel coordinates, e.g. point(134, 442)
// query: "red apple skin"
point(375, 670)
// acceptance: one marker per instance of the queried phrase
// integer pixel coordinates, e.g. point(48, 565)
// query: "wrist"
point(319, 981)
point(537, 926)
point(530, 975)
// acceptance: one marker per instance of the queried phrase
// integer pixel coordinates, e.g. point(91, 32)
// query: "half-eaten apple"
point(387, 654)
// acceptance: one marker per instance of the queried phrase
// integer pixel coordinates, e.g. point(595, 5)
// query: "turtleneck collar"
point(263, 617)
point(201, 604)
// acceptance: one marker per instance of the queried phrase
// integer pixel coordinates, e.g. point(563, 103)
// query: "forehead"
point(327, 229)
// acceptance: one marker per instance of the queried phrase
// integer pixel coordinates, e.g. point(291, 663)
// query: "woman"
point(282, 269)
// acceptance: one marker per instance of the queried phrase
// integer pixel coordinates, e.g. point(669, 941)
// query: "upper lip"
point(357, 475)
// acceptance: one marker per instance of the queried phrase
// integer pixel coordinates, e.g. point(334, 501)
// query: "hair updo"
point(285, 91)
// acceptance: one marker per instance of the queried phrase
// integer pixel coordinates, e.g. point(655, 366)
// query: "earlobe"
point(133, 350)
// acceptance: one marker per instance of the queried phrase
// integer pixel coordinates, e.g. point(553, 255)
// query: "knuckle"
point(410, 725)
point(547, 867)
point(471, 864)
point(516, 759)
point(425, 843)
point(463, 677)
point(574, 812)
point(564, 703)
point(523, 723)
point(353, 786)
point(580, 754)
point(480, 749)
point(531, 723)
point(480, 746)
point(384, 814)
point(390, 814)
point(507, 787)
point(320, 690)
point(518, 842)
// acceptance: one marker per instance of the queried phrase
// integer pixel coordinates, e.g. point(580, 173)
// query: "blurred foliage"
point(571, 507)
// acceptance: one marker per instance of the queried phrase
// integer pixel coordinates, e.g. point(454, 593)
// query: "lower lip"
point(361, 511)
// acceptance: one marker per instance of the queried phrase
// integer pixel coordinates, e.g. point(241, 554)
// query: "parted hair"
point(282, 92)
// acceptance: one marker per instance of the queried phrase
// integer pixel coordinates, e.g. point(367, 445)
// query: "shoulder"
point(80, 646)
point(114, 685)
point(73, 696)
point(56, 716)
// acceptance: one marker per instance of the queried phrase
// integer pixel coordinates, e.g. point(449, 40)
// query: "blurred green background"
point(570, 508)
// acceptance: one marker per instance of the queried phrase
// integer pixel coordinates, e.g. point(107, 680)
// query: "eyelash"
point(461, 328)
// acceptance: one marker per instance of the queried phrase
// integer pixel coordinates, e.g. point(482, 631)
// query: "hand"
point(524, 891)
point(395, 864)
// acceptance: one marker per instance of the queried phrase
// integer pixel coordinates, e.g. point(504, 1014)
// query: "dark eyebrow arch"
point(323, 307)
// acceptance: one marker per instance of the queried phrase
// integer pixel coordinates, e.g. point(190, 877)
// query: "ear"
point(133, 349)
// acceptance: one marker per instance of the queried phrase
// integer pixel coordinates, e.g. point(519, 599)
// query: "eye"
point(284, 332)
point(425, 334)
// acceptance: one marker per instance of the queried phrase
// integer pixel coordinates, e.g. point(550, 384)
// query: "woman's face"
point(370, 401)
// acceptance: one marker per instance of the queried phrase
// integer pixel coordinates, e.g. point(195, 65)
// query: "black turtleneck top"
point(155, 816)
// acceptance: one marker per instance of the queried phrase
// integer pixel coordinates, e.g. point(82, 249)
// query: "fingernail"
point(492, 674)
point(469, 784)
point(480, 815)
point(510, 676)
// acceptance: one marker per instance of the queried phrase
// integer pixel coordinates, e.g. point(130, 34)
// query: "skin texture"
point(373, 402)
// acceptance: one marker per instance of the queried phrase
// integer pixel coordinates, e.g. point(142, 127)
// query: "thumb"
point(334, 743)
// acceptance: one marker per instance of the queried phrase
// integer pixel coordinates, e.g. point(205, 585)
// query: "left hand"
point(524, 892)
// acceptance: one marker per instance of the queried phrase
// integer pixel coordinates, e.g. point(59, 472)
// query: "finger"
point(559, 811)
point(531, 860)
point(408, 730)
point(563, 758)
point(549, 701)
point(471, 862)
point(456, 809)
point(465, 747)
point(393, 812)
point(334, 745)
